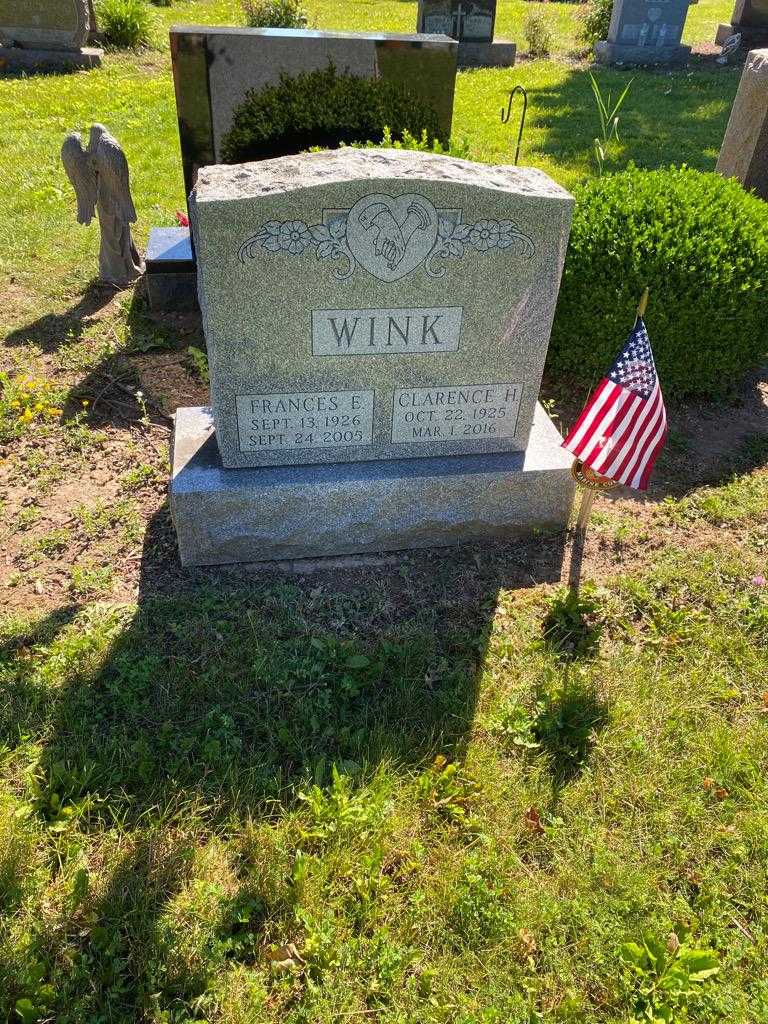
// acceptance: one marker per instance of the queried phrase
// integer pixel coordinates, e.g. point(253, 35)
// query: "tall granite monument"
point(377, 323)
point(472, 23)
point(46, 33)
point(645, 32)
point(744, 153)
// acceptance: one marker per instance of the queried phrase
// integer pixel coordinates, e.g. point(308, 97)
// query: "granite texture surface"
point(226, 515)
point(744, 153)
point(403, 275)
point(215, 67)
point(44, 24)
point(498, 54)
point(171, 272)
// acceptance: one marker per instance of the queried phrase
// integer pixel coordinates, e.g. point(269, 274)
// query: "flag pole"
point(589, 483)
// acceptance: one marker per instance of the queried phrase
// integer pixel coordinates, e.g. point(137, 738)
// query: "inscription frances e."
point(301, 420)
point(455, 413)
point(389, 237)
point(371, 332)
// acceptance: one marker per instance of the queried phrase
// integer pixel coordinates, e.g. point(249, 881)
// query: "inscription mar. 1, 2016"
point(389, 237)
point(319, 419)
point(465, 412)
point(371, 332)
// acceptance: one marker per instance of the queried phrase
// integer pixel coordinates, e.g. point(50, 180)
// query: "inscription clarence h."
point(460, 413)
point(369, 332)
point(322, 419)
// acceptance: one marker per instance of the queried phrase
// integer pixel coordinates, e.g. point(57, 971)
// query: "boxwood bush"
point(326, 109)
point(700, 243)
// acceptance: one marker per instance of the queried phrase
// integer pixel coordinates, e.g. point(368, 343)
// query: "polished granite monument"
point(645, 32)
point(472, 23)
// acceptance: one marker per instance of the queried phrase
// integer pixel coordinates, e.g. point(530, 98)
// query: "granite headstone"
point(376, 323)
point(645, 32)
point(472, 23)
point(368, 304)
point(46, 32)
point(750, 19)
point(214, 69)
point(744, 153)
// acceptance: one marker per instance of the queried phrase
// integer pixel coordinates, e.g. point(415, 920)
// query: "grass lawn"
point(413, 790)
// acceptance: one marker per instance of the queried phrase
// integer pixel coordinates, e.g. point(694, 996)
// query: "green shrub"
point(538, 34)
point(124, 24)
point(700, 243)
point(274, 13)
point(420, 144)
point(595, 20)
point(323, 109)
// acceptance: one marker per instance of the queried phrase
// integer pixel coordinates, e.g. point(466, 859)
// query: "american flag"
point(624, 424)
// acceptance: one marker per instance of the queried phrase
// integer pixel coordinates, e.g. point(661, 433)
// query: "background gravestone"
point(46, 32)
point(472, 23)
point(750, 18)
point(377, 323)
point(645, 32)
point(744, 153)
point(214, 69)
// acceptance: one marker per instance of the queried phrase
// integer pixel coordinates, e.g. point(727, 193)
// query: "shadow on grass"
point(54, 330)
point(224, 693)
point(668, 117)
point(567, 724)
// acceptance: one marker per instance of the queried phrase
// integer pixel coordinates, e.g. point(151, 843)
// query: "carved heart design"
point(390, 236)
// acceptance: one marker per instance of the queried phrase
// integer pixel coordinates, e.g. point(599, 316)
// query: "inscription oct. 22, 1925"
point(452, 413)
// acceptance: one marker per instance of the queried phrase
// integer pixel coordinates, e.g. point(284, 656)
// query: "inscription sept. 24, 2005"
point(319, 419)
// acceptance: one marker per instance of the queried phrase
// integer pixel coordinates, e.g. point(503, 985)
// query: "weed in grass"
point(53, 542)
point(572, 626)
point(89, 578)
point(667, 979)
point(199, 360)
point(98, 520)
point(139, 477)
point(480, 914)
point(27, 517)
point(78, 437)
point(26, 401)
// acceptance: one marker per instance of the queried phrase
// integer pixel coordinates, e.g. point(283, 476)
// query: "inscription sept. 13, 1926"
point(322, 419)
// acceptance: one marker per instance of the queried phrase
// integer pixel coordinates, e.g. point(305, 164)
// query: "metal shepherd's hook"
point(505, 115)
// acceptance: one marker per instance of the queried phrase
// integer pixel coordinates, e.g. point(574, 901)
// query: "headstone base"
point(18, 57)
point(618, 53)
point(287, 512)
point(498, 54)
point(752, 37)
point(171, 273)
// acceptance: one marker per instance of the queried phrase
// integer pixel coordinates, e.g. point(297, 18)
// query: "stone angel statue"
point(99, 176)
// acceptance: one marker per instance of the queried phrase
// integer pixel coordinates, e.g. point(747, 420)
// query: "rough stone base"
point(17, 57)
point(288, 512)
point(499, 54)
point(617, 53)
point(752, 37)
point(171, 273)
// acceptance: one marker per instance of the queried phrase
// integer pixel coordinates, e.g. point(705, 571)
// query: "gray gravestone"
point(750, 18)
point(645, 32)
point(377, 324)
point(46, 32)
point(215, 68)
point(472, 23)
point(744, 153)
point(411, 294)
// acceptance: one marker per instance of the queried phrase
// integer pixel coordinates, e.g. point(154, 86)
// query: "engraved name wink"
point(389, 237)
